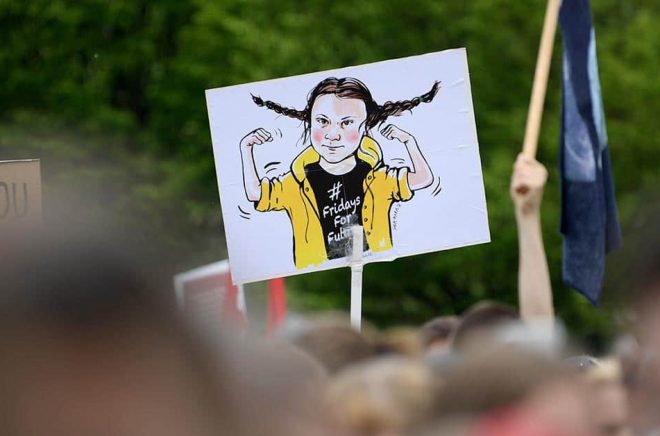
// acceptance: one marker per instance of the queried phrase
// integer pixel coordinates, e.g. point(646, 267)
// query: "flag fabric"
point(277, 307)
point(589, 221)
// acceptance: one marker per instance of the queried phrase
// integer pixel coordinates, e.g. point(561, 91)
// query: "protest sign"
point(20, 192)
point(207, 295)
point(390, 145)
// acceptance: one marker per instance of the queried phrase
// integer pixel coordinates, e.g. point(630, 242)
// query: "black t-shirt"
point(339, 200)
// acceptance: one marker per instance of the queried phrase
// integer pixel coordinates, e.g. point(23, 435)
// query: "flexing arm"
point(421, 176)
point(251, 180)
point(534, 287)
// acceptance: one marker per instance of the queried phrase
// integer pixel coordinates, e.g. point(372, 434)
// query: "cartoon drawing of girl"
point(340, 179)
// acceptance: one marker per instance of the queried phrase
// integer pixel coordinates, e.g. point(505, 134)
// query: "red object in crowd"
point(520, 421)
point(276, 305)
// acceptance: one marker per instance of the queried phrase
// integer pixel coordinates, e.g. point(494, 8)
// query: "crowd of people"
point(92, 346)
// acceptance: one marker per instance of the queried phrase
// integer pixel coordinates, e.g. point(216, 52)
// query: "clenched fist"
point(256, 137)
point(527, 183)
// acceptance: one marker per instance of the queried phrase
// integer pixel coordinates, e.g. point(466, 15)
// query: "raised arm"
point(534, 287)
point(421, 175)
point(251, 180)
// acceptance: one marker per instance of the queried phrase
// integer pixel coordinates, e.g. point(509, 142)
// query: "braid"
point(394, 109)
point(277, 108)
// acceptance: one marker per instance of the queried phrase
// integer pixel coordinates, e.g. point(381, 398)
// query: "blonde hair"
point(388, 395)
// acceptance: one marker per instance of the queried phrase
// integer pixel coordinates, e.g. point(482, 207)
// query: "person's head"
point(480, 322)
point(90, 344)
point(337, 126)
point(336, 345)
point(388, 396)
point(340, 111)
point(87, 338)
point(608, 398)
point(402, 341)
point(635, 276)
point(436, 333)
point(496, 377)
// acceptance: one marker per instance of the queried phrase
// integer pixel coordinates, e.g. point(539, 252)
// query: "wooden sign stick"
point(535, 112)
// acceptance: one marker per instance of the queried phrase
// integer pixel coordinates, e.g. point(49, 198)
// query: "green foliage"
point(112, 94)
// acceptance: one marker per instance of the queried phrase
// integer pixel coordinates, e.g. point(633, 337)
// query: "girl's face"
point(337, 126)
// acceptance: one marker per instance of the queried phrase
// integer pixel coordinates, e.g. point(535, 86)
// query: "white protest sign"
point(20, 192)
point(391, 146)
point(206, 294)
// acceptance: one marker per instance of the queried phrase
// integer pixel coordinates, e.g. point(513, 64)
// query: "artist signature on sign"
point(395, 215)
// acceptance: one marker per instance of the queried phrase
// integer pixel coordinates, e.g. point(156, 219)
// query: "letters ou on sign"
point(20, 191)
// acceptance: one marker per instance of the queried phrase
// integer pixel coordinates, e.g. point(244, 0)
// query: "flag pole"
point(535, 112)
point(356, 277)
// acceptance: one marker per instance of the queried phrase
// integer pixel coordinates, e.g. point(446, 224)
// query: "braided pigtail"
point(277, 108)
point(394, 109)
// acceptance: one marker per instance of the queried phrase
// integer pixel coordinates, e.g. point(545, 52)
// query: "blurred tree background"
point(110, 95)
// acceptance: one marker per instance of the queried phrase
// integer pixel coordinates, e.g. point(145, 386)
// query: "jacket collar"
point(368, 151)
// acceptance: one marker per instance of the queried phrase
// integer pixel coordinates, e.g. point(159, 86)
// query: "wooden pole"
point(541, 79)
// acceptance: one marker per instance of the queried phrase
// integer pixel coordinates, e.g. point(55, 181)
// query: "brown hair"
point(481, 317)
point(349, 87)
point(335, 345)
point(495, 377)
point(438, 329)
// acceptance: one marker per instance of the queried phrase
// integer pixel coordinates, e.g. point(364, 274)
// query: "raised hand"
point(527, 183)
point(534, 287)
point(420, 175)
point(393, 132)
point(256, 137)
point(250, 176)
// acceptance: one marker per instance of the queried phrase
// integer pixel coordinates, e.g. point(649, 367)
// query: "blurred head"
point(336, 345)
point(493, 377)
point(402, 341)
point(608, 399)
point(382, 397)
point(480, 322)
point(284, 384)
point(636, 275)
point(504, 388)
point(558, 409)
point(436, 334)
point(89, 346)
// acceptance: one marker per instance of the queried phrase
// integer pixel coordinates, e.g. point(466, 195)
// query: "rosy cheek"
point(353, 136)
point(317, 135)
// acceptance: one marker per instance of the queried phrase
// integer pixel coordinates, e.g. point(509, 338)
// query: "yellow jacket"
point(292, 192)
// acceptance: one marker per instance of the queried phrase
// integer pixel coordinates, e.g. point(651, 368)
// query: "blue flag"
point(589, 220)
